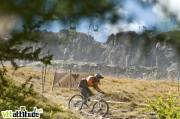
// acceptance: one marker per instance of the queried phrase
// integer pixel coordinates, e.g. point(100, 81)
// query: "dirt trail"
point(55, 97)
point(60, 98)
point(63, 100)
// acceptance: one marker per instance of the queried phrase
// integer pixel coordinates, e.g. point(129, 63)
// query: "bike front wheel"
point(100, 108)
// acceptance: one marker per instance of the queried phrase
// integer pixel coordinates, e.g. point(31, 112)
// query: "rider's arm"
point(96, 87)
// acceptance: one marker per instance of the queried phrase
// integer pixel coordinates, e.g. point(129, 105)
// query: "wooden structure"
point(66, 80)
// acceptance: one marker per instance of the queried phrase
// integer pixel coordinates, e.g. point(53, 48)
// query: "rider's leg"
point(84, 94)
point(89, 94)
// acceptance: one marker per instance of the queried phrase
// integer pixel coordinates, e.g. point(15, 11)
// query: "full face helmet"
point(99, 76)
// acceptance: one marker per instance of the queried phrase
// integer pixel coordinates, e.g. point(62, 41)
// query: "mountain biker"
point(90, 81)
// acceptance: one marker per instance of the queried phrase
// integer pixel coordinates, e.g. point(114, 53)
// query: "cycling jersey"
point(85, 83)
point(91, 81)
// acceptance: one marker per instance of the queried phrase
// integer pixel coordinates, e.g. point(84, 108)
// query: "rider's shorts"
point(86, 92)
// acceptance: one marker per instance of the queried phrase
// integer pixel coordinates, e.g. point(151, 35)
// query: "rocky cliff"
point(123, 53)
point(123, 49)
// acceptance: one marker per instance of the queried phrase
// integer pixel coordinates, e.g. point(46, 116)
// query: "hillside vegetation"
point(13, 96)
point(172, 35)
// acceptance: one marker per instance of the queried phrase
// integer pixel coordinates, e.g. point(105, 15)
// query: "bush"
point(12, 97)
point(166, 107)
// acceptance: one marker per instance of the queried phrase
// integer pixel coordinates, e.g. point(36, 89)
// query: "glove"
point(102, 92)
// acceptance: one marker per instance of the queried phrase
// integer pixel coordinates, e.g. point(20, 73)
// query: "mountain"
point(123, 49)
point(69, 45)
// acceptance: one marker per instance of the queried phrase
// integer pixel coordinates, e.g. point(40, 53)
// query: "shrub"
point(165, 107)
point(12, 96)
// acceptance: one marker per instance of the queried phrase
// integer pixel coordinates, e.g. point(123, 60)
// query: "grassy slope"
point(132, 92)
point(13, 96)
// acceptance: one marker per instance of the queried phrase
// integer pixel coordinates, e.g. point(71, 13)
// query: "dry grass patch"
point(132, 92)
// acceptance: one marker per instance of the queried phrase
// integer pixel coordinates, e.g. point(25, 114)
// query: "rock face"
point(69, 45)
point(131, 49)
point(124, 49)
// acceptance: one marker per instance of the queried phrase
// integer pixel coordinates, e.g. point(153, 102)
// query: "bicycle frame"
point(96, 106)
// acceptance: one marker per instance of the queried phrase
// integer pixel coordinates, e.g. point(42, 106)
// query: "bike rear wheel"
point(75, 102)
point(100, 108)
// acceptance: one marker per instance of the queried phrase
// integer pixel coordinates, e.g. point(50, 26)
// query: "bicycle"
point(100, 107)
